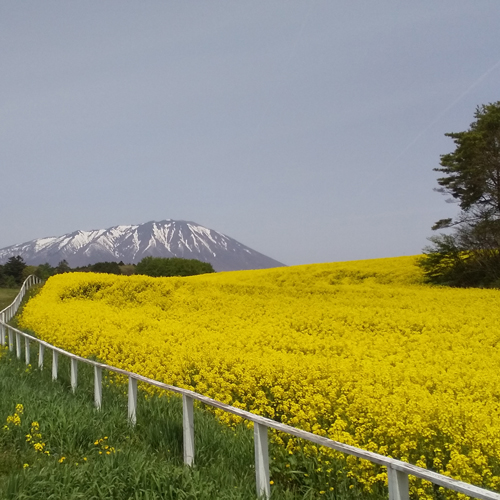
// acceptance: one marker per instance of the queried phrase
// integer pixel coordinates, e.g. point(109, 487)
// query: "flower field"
point(361, 352)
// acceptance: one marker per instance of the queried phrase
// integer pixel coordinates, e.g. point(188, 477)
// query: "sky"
point(306, 130)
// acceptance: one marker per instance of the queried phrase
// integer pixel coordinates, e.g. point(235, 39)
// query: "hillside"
point(318, 347)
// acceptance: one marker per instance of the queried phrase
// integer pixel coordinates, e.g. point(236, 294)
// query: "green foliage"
point(7, 281)
point(63, 267)
point(45, 271)
point(106, 267)
point(470, 256)
point(472, 171)
point(174, 266)
point(16, 271)
point(13, 268)
point(28, 270)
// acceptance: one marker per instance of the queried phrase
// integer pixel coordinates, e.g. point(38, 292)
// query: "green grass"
point(7, 295)
point(147, 462)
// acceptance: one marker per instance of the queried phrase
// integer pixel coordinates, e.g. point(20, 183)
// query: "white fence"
point(397, 471)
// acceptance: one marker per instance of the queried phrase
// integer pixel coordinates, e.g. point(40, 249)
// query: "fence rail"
point(397, 471)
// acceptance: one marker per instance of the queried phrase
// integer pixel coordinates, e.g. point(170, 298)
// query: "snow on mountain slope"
point(130, 244)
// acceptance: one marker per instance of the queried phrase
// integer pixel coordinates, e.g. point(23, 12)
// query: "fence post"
point(98, 387)
point(398, 484)
point(18, 345)
point(2, 330)
point(261, 460)
point(27, 350)
point(55, 363)
point(132, 400)
point(188, 429)
point(11, 339)
point(74, 374)
point(40, 356)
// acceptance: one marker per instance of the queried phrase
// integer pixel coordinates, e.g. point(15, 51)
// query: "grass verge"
point(7, 295)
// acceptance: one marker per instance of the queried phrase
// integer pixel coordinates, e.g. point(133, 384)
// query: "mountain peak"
point(131, 243)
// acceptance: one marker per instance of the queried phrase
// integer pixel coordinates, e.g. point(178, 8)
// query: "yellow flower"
point(62, 459)
point(25, 465)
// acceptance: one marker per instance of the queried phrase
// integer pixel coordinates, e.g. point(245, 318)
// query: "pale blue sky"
point(305, 130)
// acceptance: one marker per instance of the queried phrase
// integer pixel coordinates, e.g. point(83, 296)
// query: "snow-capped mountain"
point(168, 238)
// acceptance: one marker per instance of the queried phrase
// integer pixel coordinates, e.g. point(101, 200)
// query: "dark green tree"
point(5, 280)
point(63, 267)
point(106, 267)
point(470, 255)
point(173, 266)
point(14, 267)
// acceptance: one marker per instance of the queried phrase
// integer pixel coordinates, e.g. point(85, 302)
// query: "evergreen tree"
point(63, 267)
point(470, 256)
point(14, 267)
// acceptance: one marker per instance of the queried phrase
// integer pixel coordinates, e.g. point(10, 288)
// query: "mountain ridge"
point(131, 243)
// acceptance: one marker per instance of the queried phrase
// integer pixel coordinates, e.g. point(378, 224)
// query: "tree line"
point(15, 270)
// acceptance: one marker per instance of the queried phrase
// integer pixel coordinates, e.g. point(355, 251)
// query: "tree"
point(174, 266)
point(6, 281)
point(63, 267)
point(28, 270)
point(14, 267)
point(106, 267)
point(45, 271)
point(470, 256)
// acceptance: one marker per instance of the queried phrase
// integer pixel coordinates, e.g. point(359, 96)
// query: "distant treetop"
point(173, 266)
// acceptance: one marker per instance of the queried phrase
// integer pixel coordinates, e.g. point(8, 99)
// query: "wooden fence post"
point(55, 364)
point(40, 356)
point(18, 345)
point(27, 350)
point(74, 374)
point(132, 400)
point(98, 387)
point(188, 429)
point(398, 484)
point(261, 460)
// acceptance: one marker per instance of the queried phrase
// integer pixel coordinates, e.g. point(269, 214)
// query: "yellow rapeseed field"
point(361, 352)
